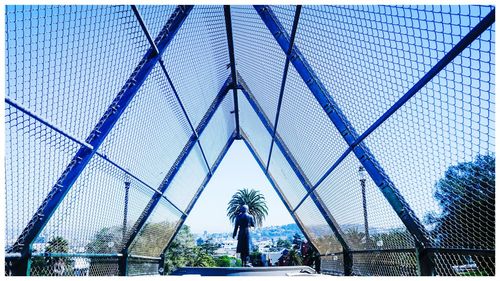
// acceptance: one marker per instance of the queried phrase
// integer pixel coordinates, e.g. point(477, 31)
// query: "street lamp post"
point(362, 179)
point(125, 211)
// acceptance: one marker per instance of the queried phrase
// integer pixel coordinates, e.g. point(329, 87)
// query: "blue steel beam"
point(40, 119)
point(185, 114)
point(461, 45)
point(98, 134)
point(178, 163)
point(283, 81)
point(293, 164)
point(232, 63)
point(298, 222)
point(202, 188)
point(454, 52)
point(345, 128)
point(169, 80)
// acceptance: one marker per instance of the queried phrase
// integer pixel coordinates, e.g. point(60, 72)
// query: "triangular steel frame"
point(352, 138)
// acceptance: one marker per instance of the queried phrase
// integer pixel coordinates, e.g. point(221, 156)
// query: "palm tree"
point(256, 205)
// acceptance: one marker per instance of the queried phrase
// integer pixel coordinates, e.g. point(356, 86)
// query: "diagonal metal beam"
point(283, 81)
point(232, 63)
point(293, 164)
point(297, 220)
point(354, 141)
point(386, 186)
point(164, 69)
point(98, 134)
point(461, 45)
point(176, 166)
point(200, 190)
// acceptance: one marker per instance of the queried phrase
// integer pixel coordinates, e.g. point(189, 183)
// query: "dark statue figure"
point(243, 221)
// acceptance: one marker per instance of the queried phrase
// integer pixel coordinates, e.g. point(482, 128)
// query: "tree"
point(354, 237)
point(294, 258)
point(223, 261)
point(466, 197)
point(283, 244)
point(179, 252)
point(53, 265)
point(106, 240)
point(255, 200)
point(256, 257)
point(297, 239)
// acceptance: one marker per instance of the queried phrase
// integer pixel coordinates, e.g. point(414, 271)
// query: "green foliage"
point(297, 239)
point(183, 252)
point(294, 258)
point(153, 238)
point(50, 265)
point(256, 258)
point(283, 244)
point(355, 238)
point(106, 240)
point(223, 261)
point(255, 200)
point(466, 196)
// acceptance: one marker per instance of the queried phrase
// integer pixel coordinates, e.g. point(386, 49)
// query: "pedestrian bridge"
point(374, 124)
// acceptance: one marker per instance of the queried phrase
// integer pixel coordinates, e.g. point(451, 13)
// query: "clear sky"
point(238, 170)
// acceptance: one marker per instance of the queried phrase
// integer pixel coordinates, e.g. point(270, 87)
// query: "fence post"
point(425, 262)
point(161, 265)
point(347, 262)
point(123, 263)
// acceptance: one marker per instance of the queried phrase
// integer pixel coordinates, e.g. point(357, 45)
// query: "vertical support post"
point(232, 63)
point(98, 134)
point(21, 266)
point(425, 262)
point(347, 256)
point(125, 210)
point(123, 263)
point(161, 264)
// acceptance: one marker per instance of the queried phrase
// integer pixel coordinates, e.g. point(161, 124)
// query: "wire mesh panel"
point(369, 56)
point(188, 179)
point(342, 194)
point(332, 264)
point(257, 134)
point(286, 15)
point(35, 157)
point(197, 59)
point(218, 131)
point(447, 264)
point(67, 63)
point(151, 132)
point(317, 228)
point(157, 231)
point(445, 150)
point(74, 266)
point(155, 17)
point(97, 213)
point(259, 58)
point(306, 129)
point(291, 187)
point(140, 266)
point(384, 264)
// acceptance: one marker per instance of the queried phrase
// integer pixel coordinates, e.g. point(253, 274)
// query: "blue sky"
point(237, 170)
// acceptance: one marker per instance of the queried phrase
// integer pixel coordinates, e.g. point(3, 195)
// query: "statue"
point(243, 221)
